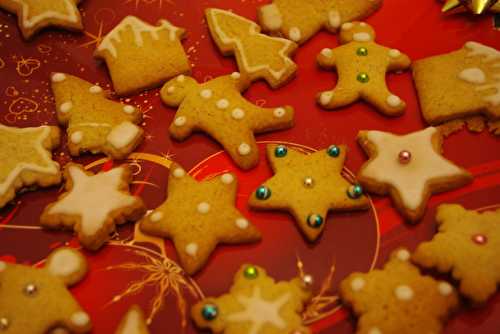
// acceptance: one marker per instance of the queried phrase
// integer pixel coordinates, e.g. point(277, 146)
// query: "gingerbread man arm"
point(327, 59)
point(398, 60)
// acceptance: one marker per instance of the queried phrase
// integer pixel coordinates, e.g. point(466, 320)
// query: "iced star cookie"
point(467, 246)
point(26, 159)
point(34, 15)
point(362, 65)
point(300, 20)
point(133, 322)
point(35, 300)
point(217, 108)
point(259, 56)
point(308, 186)
point(398, 299)
point(93, 204)
point(197, 216)
point(255, 304)
point(410, 168)
point(141, 56)
point(94, 123)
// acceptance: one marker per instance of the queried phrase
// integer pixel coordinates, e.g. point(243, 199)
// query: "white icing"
point(238, 113)
point(235, 75)
point(334, 18)
point(347, 26)
point(394, 53)
point(192, 249)
point(58, 77)
point(181, 78)
point(206, 93)
point(271, 17)
point(279, 112)
point(374, 330)
point(227, 178)
point(222, 104)
point(203, 208)
point(180, 121)
point(328, 53)
point(156, 216)
point(95, 89)
point(77, 137)
point(72, 15)
point(171, 89)
point(242, 223)
point(3, 266)
point(393, 101)
point(128, 109)
point(357, 284)
point(123, 135)
point(179, 173)
point(473, 75)
point(66, 107)
point(478, 49)
point(80, 319)
point(445, 288)
point(362, 37)
point(326, 98)
point(403, 292)
point(132, 323)
point(65, 262)
point(295, 34)
point(403, 255)
point(244, 149)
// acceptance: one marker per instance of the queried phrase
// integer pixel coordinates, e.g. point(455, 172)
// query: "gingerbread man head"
point(356, 32)
point(176, 91)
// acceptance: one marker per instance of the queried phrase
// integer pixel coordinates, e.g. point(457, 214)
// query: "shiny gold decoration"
point(20, 108)
point(95, 39)
point(475, 6)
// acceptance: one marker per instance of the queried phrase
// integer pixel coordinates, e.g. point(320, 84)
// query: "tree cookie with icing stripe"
point(217, 108)
point(26, 159)
point(133, 322)
point(94, 123)
point(141, 56)
point(93, 204)
point(36, 300)
point(259, 56)
point(255, 304)
point(398, 299)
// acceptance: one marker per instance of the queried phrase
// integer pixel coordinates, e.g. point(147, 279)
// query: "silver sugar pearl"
point(309, 182)
point(4, 323)
point(308, 280)
point(30, 289)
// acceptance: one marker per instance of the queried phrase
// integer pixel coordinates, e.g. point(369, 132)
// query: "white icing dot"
point(326, 98)
point(393, 101)
point(327, 52)
point(374, 330)
point(295, 34)
point(181, 78)
point(362, 37)
point(242, 223)
point(192, 249)
point(206, 93)
point(227, 178)
point(394, 53)
point(363, 24)
point(279, 112)
point(347, 26)
point(203, 208)
point(334, 18)
point(171, 90)
point(403, 292)
point(156, 216)
point(123, 135)
point(3, 265)
point(235, 75)
point(179, 172)
point(58, 77)
point(95, 89)
point(64, 262)
point(357, 284)
point(238, 113)
point(244, 149)
point(66, 106)
point(180, 121)
point(473, 75)
point(80, 319)
point(77, 137)
point(445, 288)
point(128, 109)
point(222, 104)
point(403, 255)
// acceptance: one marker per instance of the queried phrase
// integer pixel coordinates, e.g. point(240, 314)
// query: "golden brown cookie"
point(259, 56)
point(308, 186)
point(398, 299)
point(362, 66)
point(141, 56)
point(133, 322)
point(256, 304)
point(217, 108)
point(95, 123)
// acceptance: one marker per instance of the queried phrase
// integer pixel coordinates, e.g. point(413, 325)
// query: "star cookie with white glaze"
point(467, 246)
point(93, 204)
point(255, 304)
point(94, 123)
point(259, 56)
point(35, 300)
point(217, 108)
point(409, 168)
point(308, 186)
point(133, 322)
point(26, 159)
point(362, 66)
point(398, 299)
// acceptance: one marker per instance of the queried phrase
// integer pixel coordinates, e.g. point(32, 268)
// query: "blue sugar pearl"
point(263, 193)
point(315, 221)
point(334, 151)
point(355, 191)
point(209, 312)
point(280, 151)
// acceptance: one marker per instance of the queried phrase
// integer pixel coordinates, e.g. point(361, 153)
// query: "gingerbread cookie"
point(133, 322)
point(465, 245)
point(26, 159)
point(255, 304)
point(259, 56)
point(35, 300)
point(300, 20)
point(410, 168)
point(141, 56)
point(362, 65)
point(95, 123)
point(93, 204)
point(308, 186)
point(398, 299)
point(217, 108)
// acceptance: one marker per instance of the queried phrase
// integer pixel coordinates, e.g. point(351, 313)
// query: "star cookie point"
point(133, 322)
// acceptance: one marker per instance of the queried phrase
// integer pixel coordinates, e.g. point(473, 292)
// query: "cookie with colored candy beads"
point(35, 300)
point(217, 108)
point(141, 56)
point(259, 56)
point(308, 186)
point(94, 123)
point(255, 304)
point(133, 322)
point(409, 168)
point(398, 298)
point(466, 245)
point(27, 160)
point(300, 20)
point(362, 66)
point(93, 204)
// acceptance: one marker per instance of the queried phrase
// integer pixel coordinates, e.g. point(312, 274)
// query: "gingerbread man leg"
point(341, 96)
point(384, 101)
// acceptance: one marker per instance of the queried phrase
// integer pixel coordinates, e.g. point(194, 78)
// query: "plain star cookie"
point(217, 108)
point(259, 56)
point(26, 159)
point(362, 66)
point(308, 186)
point(133, 322)
point(95, 123)
point(141, 56)
point(256, 304)
point(300, 20)
point(36, 300)
point(467, 245)
point(409, 168)
point(93, 204)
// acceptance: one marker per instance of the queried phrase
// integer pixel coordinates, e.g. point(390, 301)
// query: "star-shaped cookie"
point(467, 245)
point(93, 204)
point(133, 322)
point(199, 215)
point(308, 186)
point(25, 155)
point(409, 168)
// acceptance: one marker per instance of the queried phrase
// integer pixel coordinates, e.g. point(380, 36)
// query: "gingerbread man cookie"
point(362, 65)
point(133, 322)
point(35, 300)
point(95, 123)
point(308, 187)
point(398, 299)
point(259, 56)
point(256, 304)
point(217, 108)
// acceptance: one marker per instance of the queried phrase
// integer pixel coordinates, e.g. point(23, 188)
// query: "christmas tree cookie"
point(133, 322)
